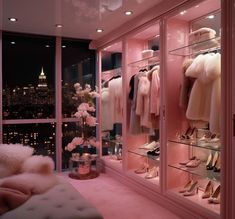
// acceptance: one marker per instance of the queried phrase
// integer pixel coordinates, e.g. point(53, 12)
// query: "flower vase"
point(84, 164)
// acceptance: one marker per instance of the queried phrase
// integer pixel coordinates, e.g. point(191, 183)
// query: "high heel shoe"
point(213, 163)
point(187, 161)
point(143, 169)
point(208, 190)
point(153, 172)
point(184, 136)
point(188, 134)
point(217, 165)
point(193, 163)
point(186, 187)
point(215, 197)
point(192, 190)
point(209, 162)
point(213, 139)
point(155, 152)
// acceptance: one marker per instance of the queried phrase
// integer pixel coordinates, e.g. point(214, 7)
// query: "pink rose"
point(70, 147)
point(77, 141)
point(90, 120)
point(83, 107)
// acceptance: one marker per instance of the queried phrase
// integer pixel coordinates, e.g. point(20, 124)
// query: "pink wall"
point(177, 31)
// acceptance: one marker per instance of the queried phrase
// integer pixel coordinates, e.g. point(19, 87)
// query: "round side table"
point(81, 167)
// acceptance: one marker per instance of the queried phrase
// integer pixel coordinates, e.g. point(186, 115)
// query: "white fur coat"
point(205, 97)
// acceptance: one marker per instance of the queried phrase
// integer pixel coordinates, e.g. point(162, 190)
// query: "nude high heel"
point(186, 187)
point(192, 190)
point(142, 169)
point(215, 197)
point(208, 190)
point(153, 172)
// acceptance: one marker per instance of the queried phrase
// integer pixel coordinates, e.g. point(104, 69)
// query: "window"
point(29, 91)
point(78, 66)
point(28, 77)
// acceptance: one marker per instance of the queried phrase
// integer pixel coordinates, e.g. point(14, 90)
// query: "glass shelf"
point(143, 152)
point(193, 49)
point(200, 144)
point(199, 171)
point(112, 143)
point(154, 60)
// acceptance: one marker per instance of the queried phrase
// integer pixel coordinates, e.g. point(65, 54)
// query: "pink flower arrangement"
point(84, 113)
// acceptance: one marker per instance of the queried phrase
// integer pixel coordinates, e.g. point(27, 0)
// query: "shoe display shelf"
point(142, 160)
point(171, 31)
point(183, 147)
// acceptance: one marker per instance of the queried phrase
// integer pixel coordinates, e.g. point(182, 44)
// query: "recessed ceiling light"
point(12, 19)
point(63, 46)
point(128, 13)
point(13, 43)
point(58, 25)
point(99, 30)
point(211, 16)
point(182, 12)
point(47, 46)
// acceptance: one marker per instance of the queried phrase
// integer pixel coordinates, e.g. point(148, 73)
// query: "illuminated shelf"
point(199, 171)
point(197, 201)
point(194, 49)
point(143, 153)
point(200, 144)
point(154, 60)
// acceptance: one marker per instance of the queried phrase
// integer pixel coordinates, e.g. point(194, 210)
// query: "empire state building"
point(42, 81)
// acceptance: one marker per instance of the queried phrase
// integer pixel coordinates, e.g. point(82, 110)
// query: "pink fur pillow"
point(11, 158)
point(38, 164)
point(36, 183)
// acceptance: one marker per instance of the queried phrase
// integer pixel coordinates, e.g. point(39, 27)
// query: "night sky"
point(22, 62)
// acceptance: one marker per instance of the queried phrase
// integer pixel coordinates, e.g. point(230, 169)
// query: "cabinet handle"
point(163, 112)
point(234, 125)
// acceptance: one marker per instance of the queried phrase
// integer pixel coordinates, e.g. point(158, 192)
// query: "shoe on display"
point(209, 162)
point(215, 197)
point(208, 190)
point(143, 169)
point(186, 187)
point(188, 134)
point(192, 190)
point(193, 163)
point(153, 172)
point(217, 164)
point(150, 146)
point(187, 161)
point(214, 164)
point(155, 152)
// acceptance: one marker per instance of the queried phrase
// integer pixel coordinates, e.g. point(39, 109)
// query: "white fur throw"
point(38, 164)
point(11, 158)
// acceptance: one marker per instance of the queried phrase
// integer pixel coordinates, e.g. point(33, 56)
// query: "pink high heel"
point(192, 190)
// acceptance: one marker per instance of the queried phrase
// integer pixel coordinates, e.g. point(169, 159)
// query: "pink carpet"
point(117, 201)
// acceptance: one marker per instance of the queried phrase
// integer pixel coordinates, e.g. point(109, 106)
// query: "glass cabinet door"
point(193, 78)
point(112, 103)
point(143, 105)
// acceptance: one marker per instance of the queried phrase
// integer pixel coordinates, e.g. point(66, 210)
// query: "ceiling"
point(79, 18)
